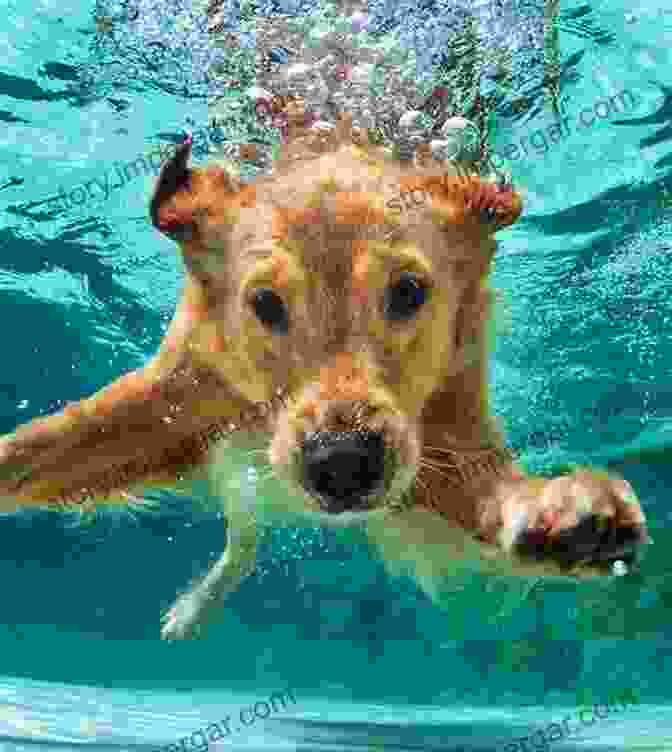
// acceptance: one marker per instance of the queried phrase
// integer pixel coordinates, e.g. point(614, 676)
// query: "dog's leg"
point(577, 524)
point(431, 550)
point(194, 609)
point(151, 426)
point(574, 526)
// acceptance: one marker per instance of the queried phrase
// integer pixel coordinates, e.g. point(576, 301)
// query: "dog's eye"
point(405, 297)
point(270, 310)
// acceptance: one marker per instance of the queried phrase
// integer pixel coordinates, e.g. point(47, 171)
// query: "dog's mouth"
point(346, 472)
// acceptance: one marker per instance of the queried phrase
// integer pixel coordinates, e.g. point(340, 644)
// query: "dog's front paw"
point(582, 523)
point(188, 616)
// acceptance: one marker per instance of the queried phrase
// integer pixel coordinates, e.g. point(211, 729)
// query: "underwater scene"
point(320, 646)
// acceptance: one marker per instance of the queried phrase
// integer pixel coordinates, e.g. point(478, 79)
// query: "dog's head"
point(352, 281)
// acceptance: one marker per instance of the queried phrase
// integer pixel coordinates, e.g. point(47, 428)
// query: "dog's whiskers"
point(457, 452)
point(452, 479)
point(439, 463)
point(433, 468)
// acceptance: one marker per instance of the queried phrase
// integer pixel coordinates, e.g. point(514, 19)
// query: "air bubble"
point(619, 568)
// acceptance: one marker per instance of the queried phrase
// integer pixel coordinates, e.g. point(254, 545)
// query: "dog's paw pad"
point(594, 540)
point(584, 521)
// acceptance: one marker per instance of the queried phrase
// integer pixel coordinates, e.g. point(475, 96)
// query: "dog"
point(338, 311)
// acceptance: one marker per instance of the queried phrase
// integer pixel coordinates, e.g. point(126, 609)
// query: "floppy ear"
point(468, 208)
point(174, 177)
point(197, 208)
point(468, 201)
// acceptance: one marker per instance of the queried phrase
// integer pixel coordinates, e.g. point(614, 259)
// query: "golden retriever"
point(338, 309)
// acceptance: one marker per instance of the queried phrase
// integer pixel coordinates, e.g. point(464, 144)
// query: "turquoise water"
point(86, 291)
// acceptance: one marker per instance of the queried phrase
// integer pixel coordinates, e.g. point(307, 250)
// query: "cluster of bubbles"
point(404, 88)
point(331, 69)
point(409, 71)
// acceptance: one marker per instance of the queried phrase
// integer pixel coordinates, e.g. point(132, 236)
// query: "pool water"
point(320, 649)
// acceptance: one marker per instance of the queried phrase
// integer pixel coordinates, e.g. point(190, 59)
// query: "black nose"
point(342, 469)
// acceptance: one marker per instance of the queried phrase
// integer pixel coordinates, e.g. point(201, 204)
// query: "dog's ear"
point(198, 208)
point(468, 201)
point(174, 177)
point(183, 194)
point(468, 207)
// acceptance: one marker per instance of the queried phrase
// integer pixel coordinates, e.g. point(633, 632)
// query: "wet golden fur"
point(330, 231)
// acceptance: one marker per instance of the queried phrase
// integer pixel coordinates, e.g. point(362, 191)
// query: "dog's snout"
point(342, 469)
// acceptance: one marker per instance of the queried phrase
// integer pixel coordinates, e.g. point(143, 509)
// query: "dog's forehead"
point(349, 218)
point(340, 238)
